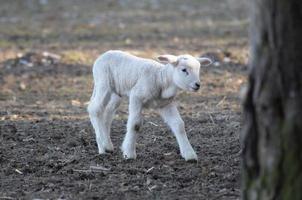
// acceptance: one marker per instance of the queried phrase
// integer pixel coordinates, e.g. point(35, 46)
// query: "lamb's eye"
point(185, 71)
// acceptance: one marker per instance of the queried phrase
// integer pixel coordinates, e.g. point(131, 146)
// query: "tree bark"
point(272, 132)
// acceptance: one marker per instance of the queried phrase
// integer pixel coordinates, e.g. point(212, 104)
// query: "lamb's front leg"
point(172, 117)
point(133, 126)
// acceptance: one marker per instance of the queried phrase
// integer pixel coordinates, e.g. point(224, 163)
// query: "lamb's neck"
point(168, 87)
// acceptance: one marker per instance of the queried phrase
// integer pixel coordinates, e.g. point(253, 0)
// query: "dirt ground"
point(47, 145)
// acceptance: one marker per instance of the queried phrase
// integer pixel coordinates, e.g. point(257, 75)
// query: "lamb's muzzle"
point(147, 83)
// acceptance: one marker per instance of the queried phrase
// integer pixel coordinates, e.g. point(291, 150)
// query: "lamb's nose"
point(197, 85)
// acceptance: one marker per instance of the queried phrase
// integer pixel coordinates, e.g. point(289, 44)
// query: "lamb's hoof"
point(101, 148)
point(109, 151)
point(190, 156)
point(102, 151)
point(109, 148)
point(192, 161)
point(129, 155)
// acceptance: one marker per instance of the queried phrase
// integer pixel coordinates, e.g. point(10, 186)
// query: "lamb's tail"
point(99, 76)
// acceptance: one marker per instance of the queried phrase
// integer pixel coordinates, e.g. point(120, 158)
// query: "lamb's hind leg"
point(113, 104)
point(133, 126)
point(99, 100)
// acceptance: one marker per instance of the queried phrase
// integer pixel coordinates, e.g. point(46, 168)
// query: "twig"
point(152, 123)
point(148, 170)
point(28, 139)
point(221, 101)
point(152, 188)
point(5, 197)
point(92, 169)
point(51, 55)
point(99, 168)
point(226, 194)
point(190, 130)
point(211, 118)
point(82, 170)
point(18, 171)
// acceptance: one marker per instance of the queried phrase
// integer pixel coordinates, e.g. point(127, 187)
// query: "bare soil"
point(48, 148)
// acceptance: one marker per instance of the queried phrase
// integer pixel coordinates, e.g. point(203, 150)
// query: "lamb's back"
point(125, 70)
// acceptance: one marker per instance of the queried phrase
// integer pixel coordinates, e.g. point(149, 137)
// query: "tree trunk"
point(272, 133)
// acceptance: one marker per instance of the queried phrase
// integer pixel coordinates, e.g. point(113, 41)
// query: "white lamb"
point(147, 83)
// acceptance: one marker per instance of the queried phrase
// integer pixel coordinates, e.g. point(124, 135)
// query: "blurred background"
point(47, 48)
point(147, 25)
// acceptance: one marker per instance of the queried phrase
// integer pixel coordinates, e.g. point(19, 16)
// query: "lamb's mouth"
point(194, 89)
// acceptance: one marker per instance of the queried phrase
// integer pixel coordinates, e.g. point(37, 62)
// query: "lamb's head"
point(185, 70)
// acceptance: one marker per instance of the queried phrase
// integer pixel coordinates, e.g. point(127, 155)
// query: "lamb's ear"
point(204, 61)
point(168, 59)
